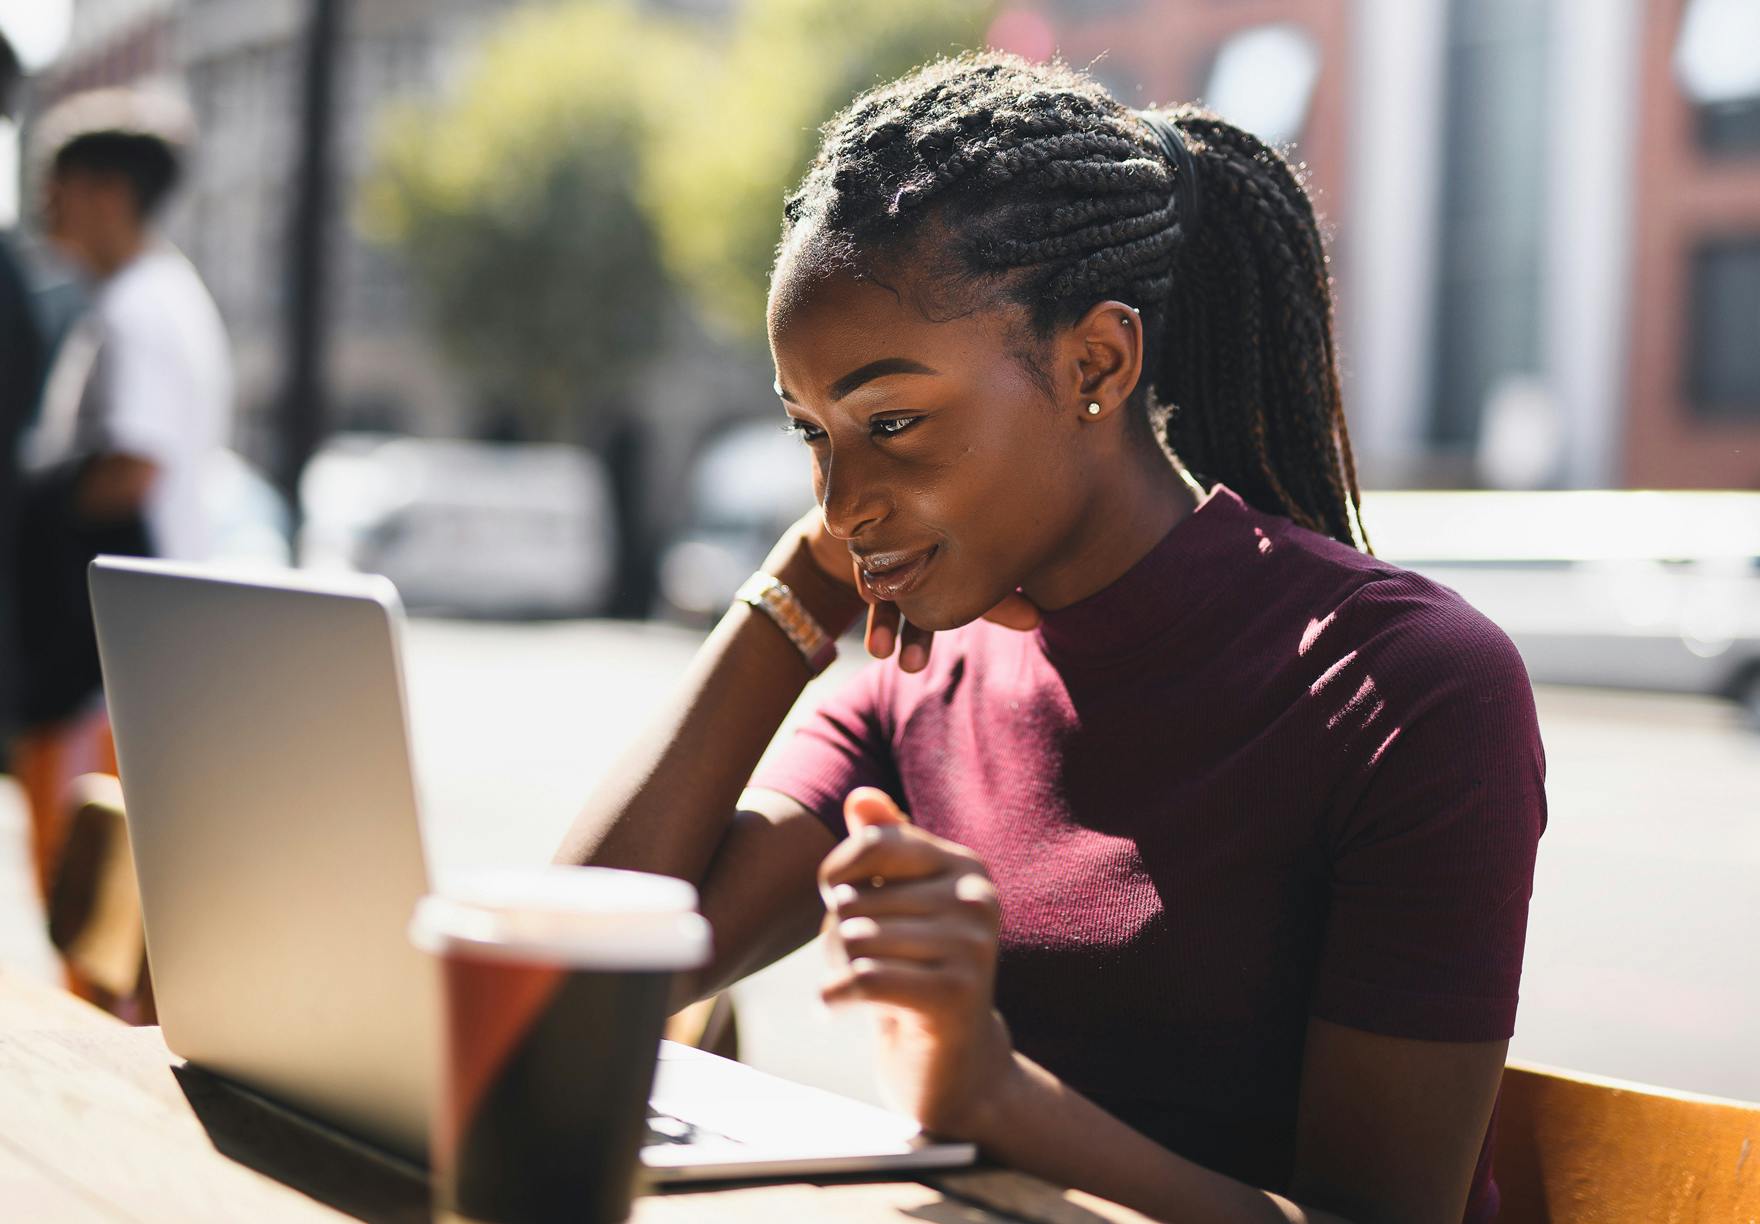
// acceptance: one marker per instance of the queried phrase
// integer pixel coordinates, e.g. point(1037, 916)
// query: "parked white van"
point(469, 528)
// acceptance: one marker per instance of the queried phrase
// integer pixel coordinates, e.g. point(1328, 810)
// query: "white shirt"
point(148, 373)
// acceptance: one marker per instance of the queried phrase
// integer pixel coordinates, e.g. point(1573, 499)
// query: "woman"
point(1213, 888)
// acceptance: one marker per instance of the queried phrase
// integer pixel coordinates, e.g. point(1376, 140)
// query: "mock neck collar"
point(1170, 582)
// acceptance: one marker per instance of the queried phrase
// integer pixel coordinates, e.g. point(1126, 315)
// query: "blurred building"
point(1694, 408)
point(114, 42)
point(238, 61)
point(1545, 214)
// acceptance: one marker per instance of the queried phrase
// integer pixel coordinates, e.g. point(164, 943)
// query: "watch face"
point(757, 587)
point(772, 595)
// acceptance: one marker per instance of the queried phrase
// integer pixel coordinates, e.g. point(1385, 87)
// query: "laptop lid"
point(261, 734)
point(263, 748)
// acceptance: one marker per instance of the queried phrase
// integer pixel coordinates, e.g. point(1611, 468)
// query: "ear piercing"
point(1093, 409)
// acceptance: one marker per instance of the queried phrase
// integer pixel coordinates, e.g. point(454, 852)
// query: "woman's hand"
point(886, 628)
point(910, 925)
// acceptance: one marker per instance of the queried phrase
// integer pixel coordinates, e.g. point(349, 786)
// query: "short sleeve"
point(146, 390)
point(1433, 835)
point(844, 744)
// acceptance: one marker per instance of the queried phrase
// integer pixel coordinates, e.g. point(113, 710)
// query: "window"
point(1724, 346)
point(1263, 81)
point(1717, 62)
point(1489, 321)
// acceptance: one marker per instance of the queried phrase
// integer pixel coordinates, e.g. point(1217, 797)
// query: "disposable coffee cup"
point(555, 985)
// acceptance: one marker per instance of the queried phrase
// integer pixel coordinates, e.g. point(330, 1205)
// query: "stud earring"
point(1093, 409)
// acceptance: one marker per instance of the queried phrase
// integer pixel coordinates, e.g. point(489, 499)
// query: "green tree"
point(601, 155)
point(518, 206)
point(716, 195)
point(600, 158)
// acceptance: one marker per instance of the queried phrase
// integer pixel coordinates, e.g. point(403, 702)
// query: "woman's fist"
point(911, 923)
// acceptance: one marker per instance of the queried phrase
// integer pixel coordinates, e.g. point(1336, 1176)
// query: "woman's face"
point(951, 474)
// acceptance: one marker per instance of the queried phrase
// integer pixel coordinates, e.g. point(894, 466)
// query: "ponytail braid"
point(1043, 188)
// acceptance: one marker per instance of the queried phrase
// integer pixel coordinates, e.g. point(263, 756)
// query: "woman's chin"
point(936, 613)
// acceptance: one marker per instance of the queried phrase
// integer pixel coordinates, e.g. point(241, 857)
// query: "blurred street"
point(1642, 959)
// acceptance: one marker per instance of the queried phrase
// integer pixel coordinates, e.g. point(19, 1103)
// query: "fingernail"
point(871, 835)
point(858, 928)
point(913, 658)
point(844, 894)
point(880, 642)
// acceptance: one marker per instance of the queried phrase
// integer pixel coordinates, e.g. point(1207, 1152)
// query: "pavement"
point(1643, 956)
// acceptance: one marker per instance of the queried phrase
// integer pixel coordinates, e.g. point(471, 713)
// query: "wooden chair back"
point(1581, 1149)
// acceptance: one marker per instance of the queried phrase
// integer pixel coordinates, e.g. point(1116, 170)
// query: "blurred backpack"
point(23, 362)
point(57, 666)
point(57, 669)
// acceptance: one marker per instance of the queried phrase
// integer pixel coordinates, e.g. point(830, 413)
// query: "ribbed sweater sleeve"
point(844, 745)
point(1433, 832)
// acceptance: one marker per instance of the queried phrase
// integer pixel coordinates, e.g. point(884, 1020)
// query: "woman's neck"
point(1122, 521)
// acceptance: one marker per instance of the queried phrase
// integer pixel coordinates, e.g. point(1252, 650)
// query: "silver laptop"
point(263, 747)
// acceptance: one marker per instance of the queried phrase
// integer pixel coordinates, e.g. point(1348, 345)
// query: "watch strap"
point(772, 596)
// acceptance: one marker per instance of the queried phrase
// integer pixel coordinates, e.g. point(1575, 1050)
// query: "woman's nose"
point(851, 501)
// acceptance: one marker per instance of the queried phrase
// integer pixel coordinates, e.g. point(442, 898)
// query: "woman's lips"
point(890, 575)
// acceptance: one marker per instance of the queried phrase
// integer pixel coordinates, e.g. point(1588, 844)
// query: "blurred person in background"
point(1212, 893)
point(141, 396)
point(22, 360)
point(137, 407)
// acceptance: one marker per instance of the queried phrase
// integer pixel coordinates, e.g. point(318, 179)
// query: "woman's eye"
point(892, 426)
point(802, 430)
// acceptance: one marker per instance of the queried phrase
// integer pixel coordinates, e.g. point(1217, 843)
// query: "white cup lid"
point(578, 917)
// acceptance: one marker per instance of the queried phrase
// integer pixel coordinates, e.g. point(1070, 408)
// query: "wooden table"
point(99, 1122)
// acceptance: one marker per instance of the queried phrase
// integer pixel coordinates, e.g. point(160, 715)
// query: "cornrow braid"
point(1045, 189)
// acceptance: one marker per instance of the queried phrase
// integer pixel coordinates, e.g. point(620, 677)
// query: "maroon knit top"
point(1261, 777)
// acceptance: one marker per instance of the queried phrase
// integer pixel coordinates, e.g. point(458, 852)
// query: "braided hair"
point(1031, 182)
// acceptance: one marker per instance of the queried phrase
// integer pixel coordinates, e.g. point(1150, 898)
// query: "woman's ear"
point(1100, 359)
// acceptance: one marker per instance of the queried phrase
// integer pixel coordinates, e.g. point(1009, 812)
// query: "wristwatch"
point(770, 595)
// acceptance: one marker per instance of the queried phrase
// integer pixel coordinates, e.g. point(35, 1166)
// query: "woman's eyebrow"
point(865, 374)
point(877, 369)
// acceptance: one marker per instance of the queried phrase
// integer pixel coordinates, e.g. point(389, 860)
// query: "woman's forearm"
point(1040, 1125)
point(666, 804)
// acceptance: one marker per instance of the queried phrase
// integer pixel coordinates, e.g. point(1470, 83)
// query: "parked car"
point(469, 528)
point(748, 483)
point(1646, 590)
